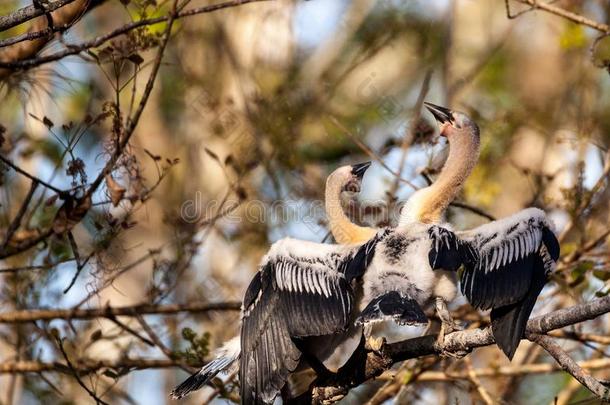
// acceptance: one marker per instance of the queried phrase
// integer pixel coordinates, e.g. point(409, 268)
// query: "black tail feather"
point(508, 323)
point(392, 305)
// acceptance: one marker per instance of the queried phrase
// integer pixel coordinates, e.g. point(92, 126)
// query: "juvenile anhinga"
point(346, 178)
point(506, 262)
point(302, 291)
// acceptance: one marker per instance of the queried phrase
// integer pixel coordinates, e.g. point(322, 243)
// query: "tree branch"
point(16, 223)
point(73, 49)
point(504, 371)
point(569, 365)
point(558, 11)
point(29, 12)
point(74, 372)
point(371, 364)
point(86, 366)
point(32, 315)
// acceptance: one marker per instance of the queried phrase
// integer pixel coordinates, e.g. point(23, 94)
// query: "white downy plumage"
point(301, 269)
point(506, 262)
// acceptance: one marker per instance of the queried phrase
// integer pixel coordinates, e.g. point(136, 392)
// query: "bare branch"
point(473, 209)
point(29, 176)
point(577, 18)
point(569, 365)
point(76, 374)
point(370, 152)
point(504, 371)
point(22, 210)
point(32, 315)
point(27, 13)
point(370, 364)
point(86, 366)
point(74, 49)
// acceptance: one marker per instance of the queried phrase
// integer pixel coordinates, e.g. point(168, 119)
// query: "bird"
point(346, 178)
point(283, 255)
point(506, 263)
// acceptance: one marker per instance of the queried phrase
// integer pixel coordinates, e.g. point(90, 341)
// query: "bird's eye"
point(352, 186)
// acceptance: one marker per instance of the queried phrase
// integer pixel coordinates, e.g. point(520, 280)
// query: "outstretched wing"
point(506, 265)
point(301, 290)
point(501, 259)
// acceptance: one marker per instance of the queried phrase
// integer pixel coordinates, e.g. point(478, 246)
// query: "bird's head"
point(453, 124)
point(349, 177)
point(355, 178)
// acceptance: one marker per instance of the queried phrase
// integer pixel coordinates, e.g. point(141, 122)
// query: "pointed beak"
point(359, 169)
point(441, 114)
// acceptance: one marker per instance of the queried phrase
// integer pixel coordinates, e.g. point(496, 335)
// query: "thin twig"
point(76, 374)
point(501, 371)
point(473, 209)
point(474, 379)
point(16, 223)
point(88, 366)
point(29, 12)
point(408, 138)
point(31, 177)
point(130, 330)
point(572, 367)
point(79, 265)
point(33, 315)
point(558, 11)
point(74, 49)
point(370, 152)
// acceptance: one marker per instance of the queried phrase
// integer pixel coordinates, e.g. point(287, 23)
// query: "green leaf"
point(573, 37)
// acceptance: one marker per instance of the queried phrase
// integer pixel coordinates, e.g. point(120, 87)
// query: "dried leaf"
point(47, 122)
point(211, 154)
point(75, 167)
point(116, 191)
point(135, 58)
point(70, 213)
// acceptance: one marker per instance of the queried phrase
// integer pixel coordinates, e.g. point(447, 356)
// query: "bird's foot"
point(459, 354)
point(446, 329)
point(448, 325)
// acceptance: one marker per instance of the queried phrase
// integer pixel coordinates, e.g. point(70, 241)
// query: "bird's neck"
point(428, 204)
point(344, 231)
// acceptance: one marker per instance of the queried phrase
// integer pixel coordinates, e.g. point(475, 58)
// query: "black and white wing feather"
point(506, 265)
point(301, 290)
point(499, 258)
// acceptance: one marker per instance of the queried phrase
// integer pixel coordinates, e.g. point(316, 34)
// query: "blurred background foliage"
point(252, 108)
